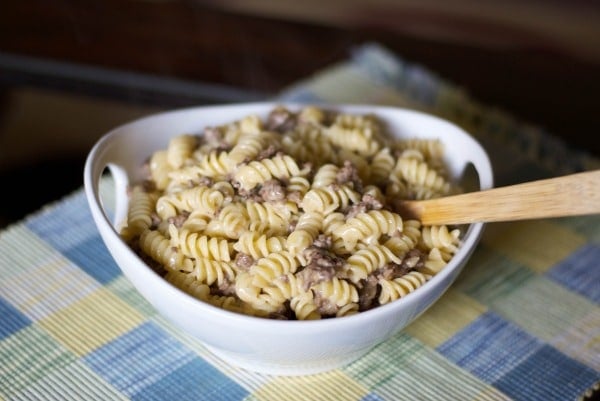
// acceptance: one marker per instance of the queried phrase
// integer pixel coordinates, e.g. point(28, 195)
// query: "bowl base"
point(286, 368)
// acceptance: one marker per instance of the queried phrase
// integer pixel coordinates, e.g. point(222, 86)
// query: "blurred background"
point(70, 71)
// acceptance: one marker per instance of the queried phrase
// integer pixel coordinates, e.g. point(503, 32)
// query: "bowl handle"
point(99, 161)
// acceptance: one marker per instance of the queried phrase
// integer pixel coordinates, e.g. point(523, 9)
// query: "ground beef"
point(205, 181)
point(368, 291)
point(250, 194)
point(226, 287)
point(348, 174)
point(213, 137)
point(323, 241)
point(368, 202)
point(179, 219)
point(267, 153)
point(243, 261)
point(356, 209)
point(156, 220)
point(324, 306)
point(281, 120)
point(414, 259)
point(272, 191)
point(322, 266)
point(372, 202)
point(295, 196)
point(285, 313)
point(148, 185)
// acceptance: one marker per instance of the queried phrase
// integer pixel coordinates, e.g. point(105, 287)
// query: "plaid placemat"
point(522, 322)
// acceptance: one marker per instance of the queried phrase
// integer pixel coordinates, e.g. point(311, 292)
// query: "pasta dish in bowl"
point(269, 231)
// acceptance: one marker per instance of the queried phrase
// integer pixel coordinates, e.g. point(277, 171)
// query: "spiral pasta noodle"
point(197, 199)
point(283, 288)
point(195, 245)
point(291, 215)
point(159, 169)
point(213, 271)
point(274, 265)
point(337, 293)
point(329, 199)
point(139, 217)
point(306, 231)
point(392, 290)
point(259, 245)
point(368, 227)
point(364, 261)
point(304, 307)
point(180, 149)
point(250, 145)
point(257, 172)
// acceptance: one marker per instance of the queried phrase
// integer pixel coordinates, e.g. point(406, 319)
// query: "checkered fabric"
point(522, 322)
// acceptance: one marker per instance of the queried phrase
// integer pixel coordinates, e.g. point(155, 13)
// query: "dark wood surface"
point(240, 57)
point(189, 41)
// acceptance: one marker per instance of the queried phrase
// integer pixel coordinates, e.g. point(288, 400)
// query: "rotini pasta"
point(306, 231)
point(215, 164)
point(159, 248)
point(259, 245)
point(365, 261)
point(304, 307)
point(213, 271)
point(326, 175)
point(335, 294)
point(421, 175)
point(139, 216)
point(283, 288)
point(258, 171)
point(180, 149)
point(391, 290)
point(329, 199)
point(273, 265)
point(368, 227)
point(159, 169)
point(189, 284)
point(197, 199)
point(252, 144)
point(195, 245)
point(291, 216)
point(354, 132)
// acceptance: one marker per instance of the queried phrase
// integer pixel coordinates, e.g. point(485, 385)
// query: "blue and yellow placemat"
point(522, 322)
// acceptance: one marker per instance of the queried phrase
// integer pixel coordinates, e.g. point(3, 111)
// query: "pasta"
point(291, 216)
point(402, 286)
point(140, 212)
point(365, 261)
point(326, 200)
point(257, 172)
point(368, 227)
point(180, 149)
point(195, 245)
point(259, 245)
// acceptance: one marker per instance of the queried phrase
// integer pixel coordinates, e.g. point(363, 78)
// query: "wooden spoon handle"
point(570, 195)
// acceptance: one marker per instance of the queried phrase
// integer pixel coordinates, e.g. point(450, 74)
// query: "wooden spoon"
point(570, 195)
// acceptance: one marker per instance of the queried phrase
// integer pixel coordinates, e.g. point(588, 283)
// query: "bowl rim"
point(470, 239)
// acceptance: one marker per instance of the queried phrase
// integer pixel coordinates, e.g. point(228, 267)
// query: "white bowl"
point(281, 347)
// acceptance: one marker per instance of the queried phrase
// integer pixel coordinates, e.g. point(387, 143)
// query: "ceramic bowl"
point(279, 347)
